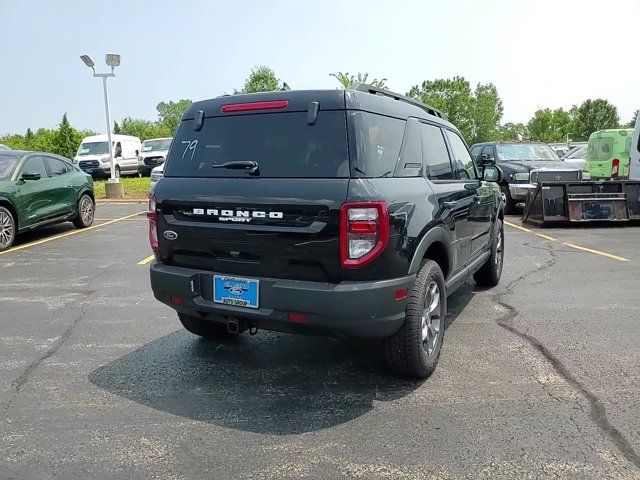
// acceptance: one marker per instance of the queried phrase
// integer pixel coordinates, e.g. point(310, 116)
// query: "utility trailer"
point(582, 202)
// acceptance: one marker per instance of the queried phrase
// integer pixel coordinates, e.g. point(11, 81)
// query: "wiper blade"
point(251, 167)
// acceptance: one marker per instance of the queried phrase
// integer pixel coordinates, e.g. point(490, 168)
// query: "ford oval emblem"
point(170, 235)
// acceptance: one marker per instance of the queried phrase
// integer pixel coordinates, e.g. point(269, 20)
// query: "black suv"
point(349, 213)
point(522, 166)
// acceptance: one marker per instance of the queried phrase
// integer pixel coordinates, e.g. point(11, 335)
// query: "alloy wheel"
point(7, 229)
point(86, 210)
point(431, 318)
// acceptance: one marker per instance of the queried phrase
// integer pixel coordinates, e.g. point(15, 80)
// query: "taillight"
point(364, 232)
point(153, 225)
point(615, 167)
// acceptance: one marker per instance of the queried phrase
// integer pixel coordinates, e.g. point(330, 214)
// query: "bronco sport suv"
point(351, 213)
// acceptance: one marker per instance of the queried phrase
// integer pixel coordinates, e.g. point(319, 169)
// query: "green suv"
point(38, 189)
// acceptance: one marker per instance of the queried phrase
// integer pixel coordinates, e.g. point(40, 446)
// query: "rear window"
point(600, 149)
point(283, 144)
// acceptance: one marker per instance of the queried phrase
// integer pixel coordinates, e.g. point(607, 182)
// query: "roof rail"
point(363, 87)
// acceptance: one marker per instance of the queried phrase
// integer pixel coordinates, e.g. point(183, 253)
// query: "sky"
point(538, 53)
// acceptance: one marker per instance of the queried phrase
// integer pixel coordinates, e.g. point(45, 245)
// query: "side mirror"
point(483, 159)
point(30, 176)
point(491, 174)
point(137, 153)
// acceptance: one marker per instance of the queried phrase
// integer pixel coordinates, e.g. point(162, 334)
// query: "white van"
point(634, 153)
point(93, 155)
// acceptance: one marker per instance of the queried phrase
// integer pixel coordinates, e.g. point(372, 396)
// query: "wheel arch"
point(436, 246)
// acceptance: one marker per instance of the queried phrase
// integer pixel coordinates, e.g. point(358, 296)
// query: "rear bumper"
point(366, 310)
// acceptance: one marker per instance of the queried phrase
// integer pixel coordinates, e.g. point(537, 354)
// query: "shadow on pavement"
point(269, 383)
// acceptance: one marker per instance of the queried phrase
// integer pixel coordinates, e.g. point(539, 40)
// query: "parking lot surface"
point(538, 378)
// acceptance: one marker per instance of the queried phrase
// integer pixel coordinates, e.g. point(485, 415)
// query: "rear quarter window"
point(376, 142)
point(283, 144)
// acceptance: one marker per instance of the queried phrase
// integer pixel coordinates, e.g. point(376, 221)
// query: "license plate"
point(239, 292)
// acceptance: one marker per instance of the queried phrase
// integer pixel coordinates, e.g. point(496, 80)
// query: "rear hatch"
point(253, 186)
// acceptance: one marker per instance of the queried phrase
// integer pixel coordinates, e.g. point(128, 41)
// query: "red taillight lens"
point(615, 167)
point(243, 107)
point(153, 226)
point(364, 232)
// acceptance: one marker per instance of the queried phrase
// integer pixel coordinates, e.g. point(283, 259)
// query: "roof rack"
point(363, 87)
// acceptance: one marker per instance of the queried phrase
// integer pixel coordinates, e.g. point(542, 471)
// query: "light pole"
point(112, 60)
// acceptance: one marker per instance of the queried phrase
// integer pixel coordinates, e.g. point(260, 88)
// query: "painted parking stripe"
point(568, 244)
point(144, 261)
point(68, 234)
point(597, 252)
point(513, 225)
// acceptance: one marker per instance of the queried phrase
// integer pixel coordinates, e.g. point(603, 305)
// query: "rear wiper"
point(251, 167)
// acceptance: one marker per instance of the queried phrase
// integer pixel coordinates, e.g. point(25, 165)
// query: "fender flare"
point(436, 234)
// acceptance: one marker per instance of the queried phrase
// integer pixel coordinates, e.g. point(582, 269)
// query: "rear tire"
point(86, 212)
point(413, 351)
point(510, 203)
point(490, 273)
point(203, 328)
point(7, 229)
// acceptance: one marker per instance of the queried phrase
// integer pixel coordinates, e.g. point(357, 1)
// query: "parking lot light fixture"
point(112, 60)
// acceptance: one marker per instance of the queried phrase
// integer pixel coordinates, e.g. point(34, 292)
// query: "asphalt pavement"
point(538, 378)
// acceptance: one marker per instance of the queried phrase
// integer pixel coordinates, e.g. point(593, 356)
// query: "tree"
point(170, 114)
point(143, 129)
point(29, 138)
point(593, 115)
point(550, 125)
point(487, 112)
point(347, 80)
point(476, 113)
point(512, 132)
point(261, 79)
point(66, 139)
point(632, 123)
point(116, 128)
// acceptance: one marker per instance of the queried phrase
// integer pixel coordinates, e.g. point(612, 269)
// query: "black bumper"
point(366, 310)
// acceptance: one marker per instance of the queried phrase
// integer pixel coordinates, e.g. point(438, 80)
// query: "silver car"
point(156, 174)
point(153, 153)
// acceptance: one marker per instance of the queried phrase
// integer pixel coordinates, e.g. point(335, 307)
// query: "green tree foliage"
point(347, 80)
point(143, 129)
point(261, 79)
point(66, 139)
point(476, 113)
point(488, 112)
point(116, 128)
point(550, 125)
point(593, 115)
point(170, 114)
point(512, 132)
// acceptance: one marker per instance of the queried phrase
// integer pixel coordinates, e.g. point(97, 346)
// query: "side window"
point(34, 165)
point(378, 140)
point(488, 151)
point(434, 153)
point(117, 152)
point(410, 164)
point(56, 167)
point(461, 160)
point(475, 151)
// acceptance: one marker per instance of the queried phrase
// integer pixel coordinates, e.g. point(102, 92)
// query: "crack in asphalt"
point(596, 412)
point(24, 377)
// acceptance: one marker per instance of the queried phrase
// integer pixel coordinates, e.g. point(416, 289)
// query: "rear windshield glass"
point(283, 145)
point(7, 164)
point(600, 149)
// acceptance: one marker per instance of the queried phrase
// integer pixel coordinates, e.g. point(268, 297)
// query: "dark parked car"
point(38, 189)
point(523, 165)
point(349, 213)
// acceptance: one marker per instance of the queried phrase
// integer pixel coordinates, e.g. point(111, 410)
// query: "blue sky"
point(538, 53)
